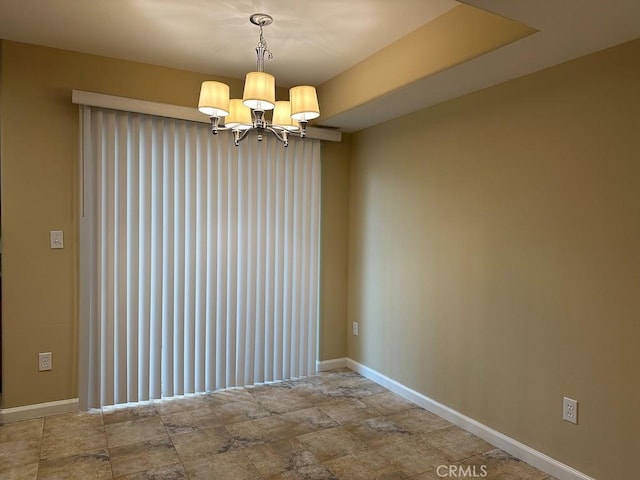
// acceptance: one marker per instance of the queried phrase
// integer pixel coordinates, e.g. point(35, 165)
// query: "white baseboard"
point(523, 452)
point(38, 410)
point(324, 365)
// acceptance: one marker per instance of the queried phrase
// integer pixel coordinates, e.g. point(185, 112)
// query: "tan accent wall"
point(494, 260)
point(40, 193)
point(334, 248)
point(462, 33)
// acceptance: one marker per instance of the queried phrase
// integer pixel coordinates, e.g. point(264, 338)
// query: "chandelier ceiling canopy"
point(247, 114)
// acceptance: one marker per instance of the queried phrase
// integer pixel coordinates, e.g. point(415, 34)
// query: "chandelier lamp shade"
point(242, 116)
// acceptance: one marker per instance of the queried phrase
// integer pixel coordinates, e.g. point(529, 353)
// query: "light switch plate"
point(57, 239)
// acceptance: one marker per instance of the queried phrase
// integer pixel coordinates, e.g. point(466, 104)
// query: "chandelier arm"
point(239, 135)
point(303, 128)
point(282, 135)
point(215, 124)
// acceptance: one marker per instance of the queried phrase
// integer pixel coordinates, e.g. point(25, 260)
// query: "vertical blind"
point(199, 259)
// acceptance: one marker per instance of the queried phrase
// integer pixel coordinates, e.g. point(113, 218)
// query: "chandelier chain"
point(261, 50)
point(262, 43)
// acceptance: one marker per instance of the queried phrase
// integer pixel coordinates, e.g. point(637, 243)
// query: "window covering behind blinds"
point(199, 260)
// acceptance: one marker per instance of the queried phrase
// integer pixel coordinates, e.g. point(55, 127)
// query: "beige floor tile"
point(140, 457)
point(168, 406)
point(19, 472)
point(240, 411)
point(259, 431)
point(170, 472)
point(73, 434)
point(348, 410)
point(142, 430)
point(314, 471)
point(354, 381)
point(203, 444)
point(331, 443)
point(365, 466)
point(417, 420)
point(220, 397)
point(190, 420)
point(339, 373)
point(28, 431)
point(352, 388)
point(432, 475)
point(289, 396)
point(378, 431)
point(92, 418)
point(307, 421)
point(21, 452)
point(233, 465)
point(388, 403)
point(500, 465)
point(457, 443)
point(84, 466)
point(60, 442)
point(413, 456)
point(351, 380)
point(280, 400)
point(277, 457)
point(120, 413)
point(312, 389)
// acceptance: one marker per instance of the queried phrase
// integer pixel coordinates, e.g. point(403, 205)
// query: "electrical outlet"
point(570, 410)
point(44, 361)
point(354, 328)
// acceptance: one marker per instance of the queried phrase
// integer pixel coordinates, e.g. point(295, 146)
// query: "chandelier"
point(242, 116)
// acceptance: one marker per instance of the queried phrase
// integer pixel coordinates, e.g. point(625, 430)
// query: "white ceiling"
point(313, 41)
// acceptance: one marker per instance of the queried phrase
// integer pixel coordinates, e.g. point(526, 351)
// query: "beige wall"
point(39, 194)
point(494, 260)
point(335, 227)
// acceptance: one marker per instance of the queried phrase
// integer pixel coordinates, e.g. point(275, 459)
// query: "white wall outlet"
point(354, 328)
point(44, 361)
point(570, 410)
point(57, 239)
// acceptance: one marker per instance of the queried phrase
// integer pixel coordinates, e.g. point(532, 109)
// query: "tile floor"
point(337, 425)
